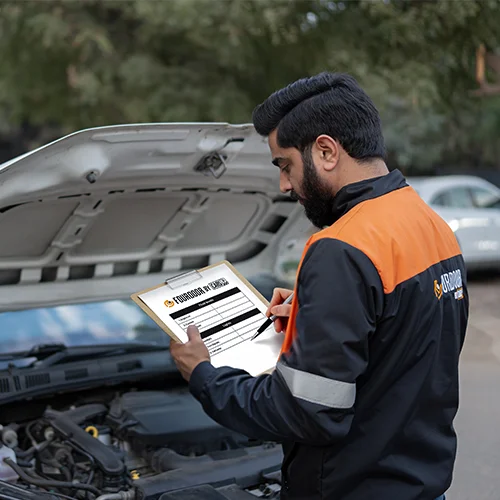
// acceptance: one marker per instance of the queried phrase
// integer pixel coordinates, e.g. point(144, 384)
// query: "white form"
point(227, 313)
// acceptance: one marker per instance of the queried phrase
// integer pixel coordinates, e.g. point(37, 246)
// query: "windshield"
point(114, 321)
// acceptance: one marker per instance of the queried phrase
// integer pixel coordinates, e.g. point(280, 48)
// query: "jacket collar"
point(352, 194)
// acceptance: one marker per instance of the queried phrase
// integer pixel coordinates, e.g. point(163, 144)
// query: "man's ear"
point(326, 152)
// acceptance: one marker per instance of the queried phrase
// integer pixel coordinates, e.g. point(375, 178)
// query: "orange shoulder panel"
point(398, 232)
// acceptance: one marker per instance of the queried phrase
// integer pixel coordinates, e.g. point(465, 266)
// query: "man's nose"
point(285, 185)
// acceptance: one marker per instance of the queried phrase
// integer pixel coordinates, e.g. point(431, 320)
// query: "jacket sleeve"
point(310, 397)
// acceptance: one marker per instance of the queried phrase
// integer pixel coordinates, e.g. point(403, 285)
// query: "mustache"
point(294, 196)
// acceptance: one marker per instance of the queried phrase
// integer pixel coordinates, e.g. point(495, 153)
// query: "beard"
point(317, 197)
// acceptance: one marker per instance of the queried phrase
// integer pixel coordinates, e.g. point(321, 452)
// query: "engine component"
point(165, 459)
point(9, 436)
point(44, 483)
point(6, 472)
point(103, 435)
point(122, 454)
point(122, 495)
point(209, 493)
point(246, 471)
point(104, 457)
point(87, 412)
point(12, 491)
point(175, 420)
point(48, 434)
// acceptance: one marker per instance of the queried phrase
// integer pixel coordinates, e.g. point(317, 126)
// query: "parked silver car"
point(471, 207)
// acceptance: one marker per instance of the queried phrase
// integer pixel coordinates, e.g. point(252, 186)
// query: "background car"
point(471, 207)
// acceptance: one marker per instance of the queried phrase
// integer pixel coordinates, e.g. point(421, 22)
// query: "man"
point(366, 391)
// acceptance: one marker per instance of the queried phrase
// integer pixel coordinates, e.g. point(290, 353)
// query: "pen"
point(270, 320)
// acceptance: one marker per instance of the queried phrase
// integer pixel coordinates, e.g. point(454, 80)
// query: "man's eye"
point(286, 169)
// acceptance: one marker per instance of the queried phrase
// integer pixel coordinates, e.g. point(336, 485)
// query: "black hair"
point(327, 103)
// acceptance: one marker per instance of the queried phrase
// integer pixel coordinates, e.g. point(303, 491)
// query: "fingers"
point(279, 325)
point(279, 296)
point(282, 310)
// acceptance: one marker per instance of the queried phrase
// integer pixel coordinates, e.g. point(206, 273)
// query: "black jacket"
point(365, 393)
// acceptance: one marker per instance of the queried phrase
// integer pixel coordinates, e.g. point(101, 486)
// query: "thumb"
point(193, 333)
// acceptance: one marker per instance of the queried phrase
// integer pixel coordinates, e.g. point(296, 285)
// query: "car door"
point(487, 205)
point(455, 204)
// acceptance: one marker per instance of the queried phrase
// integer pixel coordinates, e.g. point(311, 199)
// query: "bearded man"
point(365, 393)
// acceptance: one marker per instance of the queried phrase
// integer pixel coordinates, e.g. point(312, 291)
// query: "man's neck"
point(356, 172)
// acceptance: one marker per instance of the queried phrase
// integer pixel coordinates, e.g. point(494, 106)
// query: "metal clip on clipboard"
point(182, 279)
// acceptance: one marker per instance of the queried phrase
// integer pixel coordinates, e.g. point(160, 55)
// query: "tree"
point(94, 62)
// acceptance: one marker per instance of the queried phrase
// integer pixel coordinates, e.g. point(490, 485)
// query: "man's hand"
point(277, 308)
point(189, 355)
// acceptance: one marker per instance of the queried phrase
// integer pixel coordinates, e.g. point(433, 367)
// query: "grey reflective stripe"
point(320, 390)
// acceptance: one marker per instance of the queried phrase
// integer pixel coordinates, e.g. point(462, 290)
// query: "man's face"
point(299, 177)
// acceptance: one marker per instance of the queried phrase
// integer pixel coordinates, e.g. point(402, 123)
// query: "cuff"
point(203, 371)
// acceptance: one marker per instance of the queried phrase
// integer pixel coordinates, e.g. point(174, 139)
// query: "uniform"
point(366, 389)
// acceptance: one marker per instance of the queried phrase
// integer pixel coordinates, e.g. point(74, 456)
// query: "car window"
point(484, 198)
point(108, 322)
point(458, 197)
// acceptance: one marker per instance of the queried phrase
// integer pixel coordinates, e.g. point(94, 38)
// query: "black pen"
point(270, 320)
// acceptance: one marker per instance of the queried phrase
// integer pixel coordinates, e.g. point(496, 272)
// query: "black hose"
point(16, 490)
point(23, 463)
point(89, 480)
point(83, 452)
point(44, 483)
point(53, 493)
point(32, 450)
point(23, 454)
point(29, 434)
point(66, 473)
point(31, 473)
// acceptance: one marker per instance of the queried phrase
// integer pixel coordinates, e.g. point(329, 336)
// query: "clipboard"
point(227, 311)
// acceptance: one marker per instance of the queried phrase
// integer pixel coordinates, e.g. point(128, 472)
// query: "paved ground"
point(477, 472)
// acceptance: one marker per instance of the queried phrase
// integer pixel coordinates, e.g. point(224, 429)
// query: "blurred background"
point(432, 68)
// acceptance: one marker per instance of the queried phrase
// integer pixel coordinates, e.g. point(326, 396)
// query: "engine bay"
point(133, 445)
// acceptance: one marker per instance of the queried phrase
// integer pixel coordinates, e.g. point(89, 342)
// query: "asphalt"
point(477, 469)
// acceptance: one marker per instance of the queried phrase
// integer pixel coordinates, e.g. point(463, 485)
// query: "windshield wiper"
point(51, 354)
point(38, 351)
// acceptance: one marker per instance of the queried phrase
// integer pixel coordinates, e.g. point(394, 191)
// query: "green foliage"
point(97, 62)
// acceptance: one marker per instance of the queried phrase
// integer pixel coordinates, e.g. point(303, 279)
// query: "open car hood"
point(105, 212)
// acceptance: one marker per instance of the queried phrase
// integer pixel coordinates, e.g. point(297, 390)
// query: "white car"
point(85, 376)
point(471, 207)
